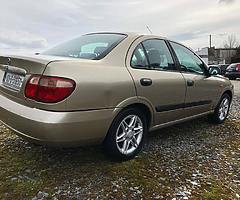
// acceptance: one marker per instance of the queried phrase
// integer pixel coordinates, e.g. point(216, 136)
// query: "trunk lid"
point(34, 64)
point(16, 70)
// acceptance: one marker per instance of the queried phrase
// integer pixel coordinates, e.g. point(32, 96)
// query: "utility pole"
point(210, 37)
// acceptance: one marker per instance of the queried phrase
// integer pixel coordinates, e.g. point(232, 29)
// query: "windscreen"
point(92, 46)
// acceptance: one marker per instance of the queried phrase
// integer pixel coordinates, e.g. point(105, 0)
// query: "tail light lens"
point(238, 67)
point(49, 89)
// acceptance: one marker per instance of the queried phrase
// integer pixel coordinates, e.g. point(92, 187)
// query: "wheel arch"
point(228, 92)
point(141, 104)
point(144, 109)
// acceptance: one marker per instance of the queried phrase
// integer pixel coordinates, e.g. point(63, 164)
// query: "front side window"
point(92, 46)
point(188, 60)
point(159, 55)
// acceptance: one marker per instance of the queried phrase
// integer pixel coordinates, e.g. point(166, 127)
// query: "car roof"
point(130, 34)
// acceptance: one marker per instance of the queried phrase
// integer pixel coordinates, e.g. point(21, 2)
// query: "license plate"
point(13, 81)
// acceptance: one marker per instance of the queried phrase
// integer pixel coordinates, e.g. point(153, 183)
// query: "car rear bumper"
point(56, 128)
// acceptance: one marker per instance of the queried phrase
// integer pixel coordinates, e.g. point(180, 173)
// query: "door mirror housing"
point(214, 71)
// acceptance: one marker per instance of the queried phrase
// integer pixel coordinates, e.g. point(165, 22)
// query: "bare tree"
point(231, 42)
point(238, 50)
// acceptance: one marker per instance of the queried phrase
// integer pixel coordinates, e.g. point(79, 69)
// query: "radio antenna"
point(149, 29)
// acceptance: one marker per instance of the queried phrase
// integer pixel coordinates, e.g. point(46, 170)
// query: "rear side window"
point(159, 55)
point(232, 66)
point(92, 47)
point(153, 54)
point(139, 59)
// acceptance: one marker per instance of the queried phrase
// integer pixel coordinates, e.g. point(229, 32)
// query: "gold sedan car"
point(109, 88)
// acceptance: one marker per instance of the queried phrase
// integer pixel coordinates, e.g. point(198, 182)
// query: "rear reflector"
point(49, 89)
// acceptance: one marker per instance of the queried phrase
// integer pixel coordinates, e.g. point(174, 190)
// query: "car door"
point(157, 79)
point(202, 89)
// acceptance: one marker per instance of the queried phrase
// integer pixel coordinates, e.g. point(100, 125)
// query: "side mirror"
point(214, 71)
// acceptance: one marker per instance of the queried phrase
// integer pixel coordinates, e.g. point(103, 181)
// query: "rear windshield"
point(232, 66)
point(92, 46)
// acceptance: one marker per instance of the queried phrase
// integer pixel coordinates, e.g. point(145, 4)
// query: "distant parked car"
point(109, 88)
point(223, 68)
point(233, 71)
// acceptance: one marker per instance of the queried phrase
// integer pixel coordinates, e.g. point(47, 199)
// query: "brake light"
point(49, 89)
point(238, 67)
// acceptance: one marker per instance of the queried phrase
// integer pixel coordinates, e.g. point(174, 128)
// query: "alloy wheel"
point(129, 134)
point(223, 109)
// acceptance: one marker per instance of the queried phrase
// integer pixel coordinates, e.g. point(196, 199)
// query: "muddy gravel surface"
point(194, 160)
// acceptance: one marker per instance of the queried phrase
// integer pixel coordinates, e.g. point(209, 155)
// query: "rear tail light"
point(49, 89)
point(238, 67)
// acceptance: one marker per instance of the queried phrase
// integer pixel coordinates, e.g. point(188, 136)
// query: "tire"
point(133, 142)
point(232, 78)
point(221, 111)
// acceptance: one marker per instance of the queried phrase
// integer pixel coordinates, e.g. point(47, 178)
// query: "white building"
point(203, 53)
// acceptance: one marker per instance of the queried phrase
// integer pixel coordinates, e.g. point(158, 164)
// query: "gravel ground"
point(194, 160)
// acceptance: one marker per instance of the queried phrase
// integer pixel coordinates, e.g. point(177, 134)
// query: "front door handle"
point(190, 83)
point(146, 81)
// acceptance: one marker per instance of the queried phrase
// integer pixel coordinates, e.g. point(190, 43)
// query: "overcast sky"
point(28, 24)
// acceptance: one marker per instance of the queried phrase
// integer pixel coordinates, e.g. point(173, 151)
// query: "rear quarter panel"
point(99, 84)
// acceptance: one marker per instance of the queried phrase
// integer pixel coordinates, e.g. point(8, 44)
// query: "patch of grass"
point(204, 136)
point(143, 173)
point(96, 176)
point(19, 189)
point(213, 193)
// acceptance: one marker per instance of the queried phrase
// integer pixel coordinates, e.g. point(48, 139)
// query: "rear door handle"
point(190, 83)
point(146, 81)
